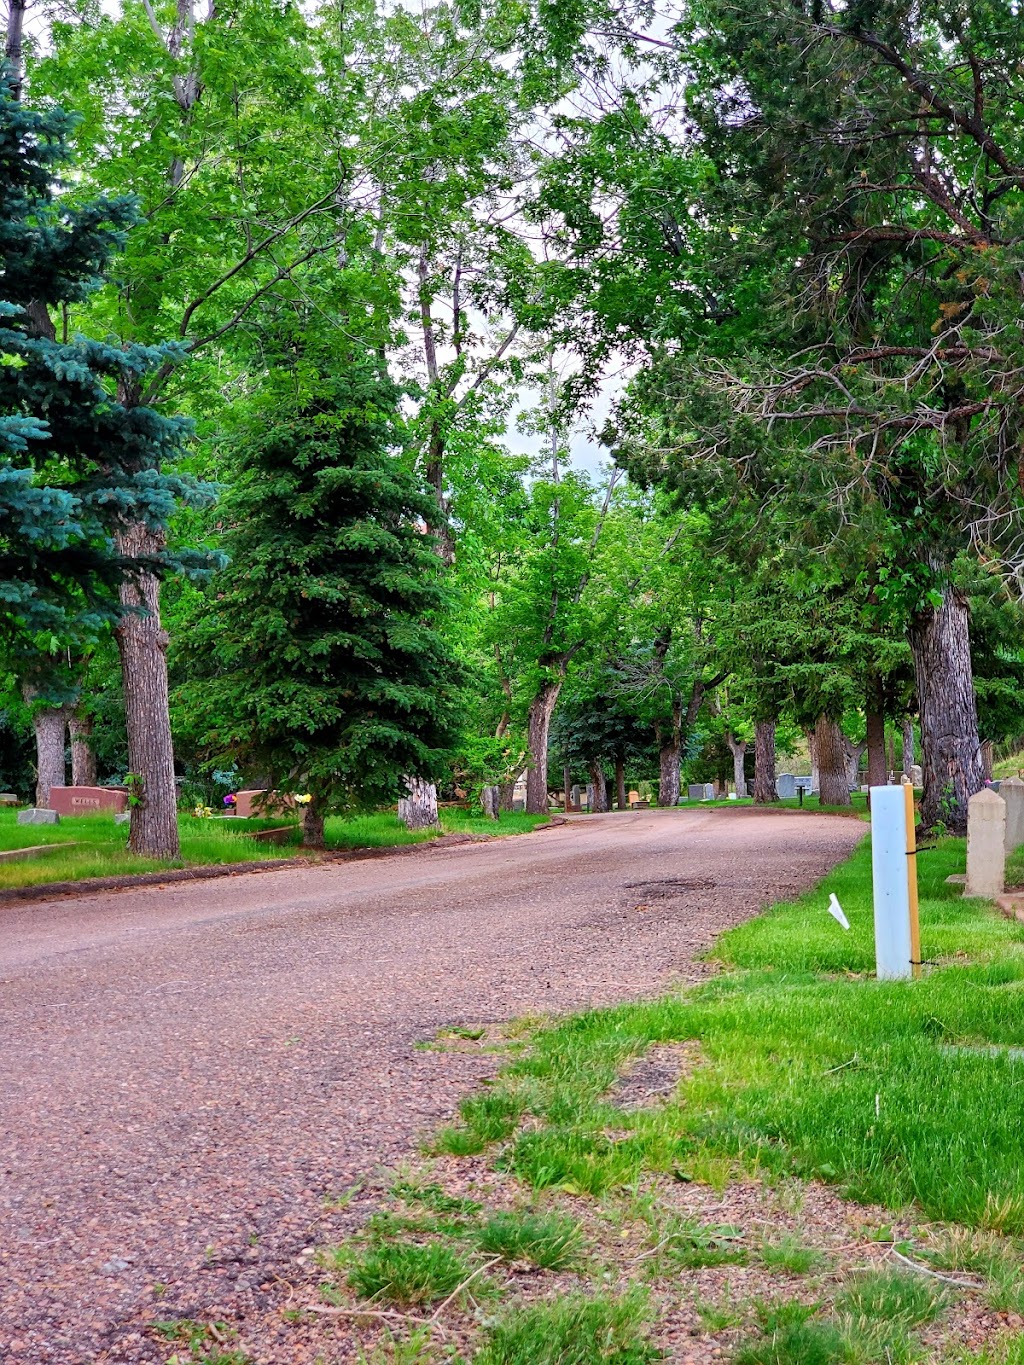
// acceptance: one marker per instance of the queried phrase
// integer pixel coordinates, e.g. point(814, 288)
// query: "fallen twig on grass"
point(455, 1294)
point(936, 1274)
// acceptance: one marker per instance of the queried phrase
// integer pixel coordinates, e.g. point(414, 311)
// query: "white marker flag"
point(836, 911)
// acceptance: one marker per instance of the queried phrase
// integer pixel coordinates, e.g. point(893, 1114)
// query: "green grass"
point(800, 935)
point(830, 1077)
point(572, 1330)
point(551, 1241)
point(405, 1273)
point(99, 848)
point(789, 1254)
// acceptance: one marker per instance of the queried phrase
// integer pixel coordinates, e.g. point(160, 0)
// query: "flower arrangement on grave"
point(202, 812)
point(303, 800)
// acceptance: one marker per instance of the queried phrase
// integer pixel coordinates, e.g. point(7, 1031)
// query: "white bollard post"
point(889, 881)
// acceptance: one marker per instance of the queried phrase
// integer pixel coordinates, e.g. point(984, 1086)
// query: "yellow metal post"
point(915, 928)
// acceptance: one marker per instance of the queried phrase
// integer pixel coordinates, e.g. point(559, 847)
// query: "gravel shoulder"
point(191, 1069)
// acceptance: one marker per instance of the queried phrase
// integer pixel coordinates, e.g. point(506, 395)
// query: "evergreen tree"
point(73, 460)
point(80, 456)
point(319, 664)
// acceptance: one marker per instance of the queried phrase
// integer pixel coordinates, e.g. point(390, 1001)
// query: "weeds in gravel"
point(790, 1254)
point(570, 1160)
point(684, 1244)
point(892, 1296)
point(551, 1241)
point(202, 1341)
point(405, 1273)
point(574, 1330)
point(1008, 1351)
point(718, 1317)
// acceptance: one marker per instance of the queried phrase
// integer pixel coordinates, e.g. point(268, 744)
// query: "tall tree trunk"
point(567, 784)
point(600, 786)
point(951, 752)
point(142, 645)
point(83, 756)
point(506, 795)
point(418, 809)
point(738, 749)
point(50, 726)
point(668, 779)
point(313, 824)
point(13, 49)
point(812, 750)
point(765, 792)
point(834, 774)
point(620, 783)
point(542, 708)
point(877, 772)
point(853, 753)
point(908, 744)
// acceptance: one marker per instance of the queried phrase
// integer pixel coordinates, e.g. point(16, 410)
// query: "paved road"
point(189, 1069)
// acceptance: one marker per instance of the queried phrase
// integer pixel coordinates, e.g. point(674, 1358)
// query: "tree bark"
point(853, 753)
point(50, 726)
point(567, 785)
point(542, 708)
point(738, 748)
point(877, 772)
point(13, 47)
point(418, 810)
point(812, 749)
point(313, 825)
point(489, 802)
point(765, 792)
point(908, 744)
point(600, 786)
point(83, 756)
point(620, 783)
point(834, 774)
point(951, 752)
point(506, 792)
point(142, 645)
point(668, 780)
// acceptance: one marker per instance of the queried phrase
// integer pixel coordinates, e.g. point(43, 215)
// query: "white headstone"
point(709, 791)
point(986, 840)
point(1012, 792)
point(785, 786)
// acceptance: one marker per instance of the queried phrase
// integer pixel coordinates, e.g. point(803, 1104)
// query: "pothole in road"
point(670, 887)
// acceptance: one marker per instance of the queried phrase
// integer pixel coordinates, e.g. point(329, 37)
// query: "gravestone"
point(1012, 792)
point(695, 791)
point(36, 816)
point(709, 791)
point(803, 784)
point(8, 799)
point(785, 786)
point(489, 801)
point(259, 801)
point(87, 800)
point(124, 819)
point(916, 775)
point(518, 806)
point(986, 839)
point(632, 796)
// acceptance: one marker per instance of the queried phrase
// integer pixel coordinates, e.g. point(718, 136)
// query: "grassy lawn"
point(555, 1223)
point(93, 846)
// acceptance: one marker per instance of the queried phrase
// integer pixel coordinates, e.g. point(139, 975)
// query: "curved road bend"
point(188, 1069)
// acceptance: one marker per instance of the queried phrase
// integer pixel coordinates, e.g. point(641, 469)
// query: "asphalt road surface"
point(188, 1070)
